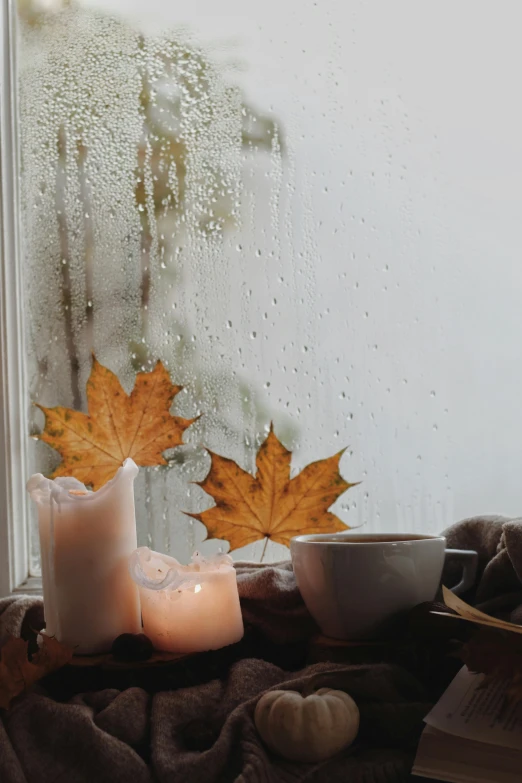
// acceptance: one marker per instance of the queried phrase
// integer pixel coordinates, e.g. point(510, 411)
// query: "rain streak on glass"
point(133, 148)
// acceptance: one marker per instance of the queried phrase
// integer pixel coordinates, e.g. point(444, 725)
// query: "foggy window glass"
point(307, 211)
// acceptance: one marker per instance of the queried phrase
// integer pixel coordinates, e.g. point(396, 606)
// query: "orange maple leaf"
point(271, 505)
point(118, 426)
point(17, 673)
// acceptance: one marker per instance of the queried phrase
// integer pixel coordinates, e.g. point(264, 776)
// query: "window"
point(306, 210)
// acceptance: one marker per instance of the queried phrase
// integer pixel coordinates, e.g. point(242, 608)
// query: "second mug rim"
point(364, 539)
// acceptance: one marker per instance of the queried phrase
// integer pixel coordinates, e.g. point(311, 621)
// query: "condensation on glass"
point(139, 157)
point(282, 206)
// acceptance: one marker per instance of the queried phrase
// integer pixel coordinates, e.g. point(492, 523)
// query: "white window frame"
point(14, 434)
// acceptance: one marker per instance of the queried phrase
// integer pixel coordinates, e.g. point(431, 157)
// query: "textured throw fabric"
point(205, 733)
point(271, 602)
point(498, 541)
point(20, 616)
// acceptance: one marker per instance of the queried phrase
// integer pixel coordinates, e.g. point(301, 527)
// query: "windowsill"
point(31, 586)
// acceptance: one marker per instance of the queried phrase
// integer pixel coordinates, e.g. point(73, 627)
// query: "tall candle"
point(187, 608)
point(85, 541)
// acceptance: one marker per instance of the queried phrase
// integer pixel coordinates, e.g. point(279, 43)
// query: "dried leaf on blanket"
point(498, 656)
point(466, 612)
point(18, 673)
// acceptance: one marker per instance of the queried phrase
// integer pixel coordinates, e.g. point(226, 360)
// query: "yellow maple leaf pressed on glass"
point(271, 504)
point(118, 426)
point(18, 673)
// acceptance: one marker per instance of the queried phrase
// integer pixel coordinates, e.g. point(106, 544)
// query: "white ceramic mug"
point(353, 585)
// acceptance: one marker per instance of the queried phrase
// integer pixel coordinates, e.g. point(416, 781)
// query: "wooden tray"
point(109, 662)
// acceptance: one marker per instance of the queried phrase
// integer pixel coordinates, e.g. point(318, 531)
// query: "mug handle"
point(469, 561)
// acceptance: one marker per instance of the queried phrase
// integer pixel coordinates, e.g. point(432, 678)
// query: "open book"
point(472, 735)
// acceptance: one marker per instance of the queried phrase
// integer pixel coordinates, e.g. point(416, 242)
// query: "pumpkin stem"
point(331, 678)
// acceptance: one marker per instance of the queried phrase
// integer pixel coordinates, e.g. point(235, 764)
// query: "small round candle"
point(189, 608)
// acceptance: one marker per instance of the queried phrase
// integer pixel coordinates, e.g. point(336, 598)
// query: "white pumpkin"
point(307, 728)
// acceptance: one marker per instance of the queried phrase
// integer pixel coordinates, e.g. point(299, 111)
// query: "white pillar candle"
point(86, 539)
point(187, 608)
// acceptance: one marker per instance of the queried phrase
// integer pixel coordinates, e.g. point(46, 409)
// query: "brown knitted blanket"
point(204, 731)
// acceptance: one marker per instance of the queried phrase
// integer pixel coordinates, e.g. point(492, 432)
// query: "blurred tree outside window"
point(133, 154)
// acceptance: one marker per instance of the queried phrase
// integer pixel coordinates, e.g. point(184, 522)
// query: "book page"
point(477, 712)
point(442, 756)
